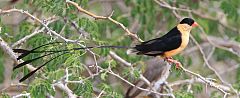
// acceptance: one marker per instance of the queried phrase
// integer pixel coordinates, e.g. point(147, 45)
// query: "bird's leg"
point(171, 60)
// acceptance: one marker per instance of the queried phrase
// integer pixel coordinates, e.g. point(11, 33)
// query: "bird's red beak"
point(194, 24)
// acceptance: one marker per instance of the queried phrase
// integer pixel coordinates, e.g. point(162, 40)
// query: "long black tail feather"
point(29, 61)
point(25, 52)
point(32, 72)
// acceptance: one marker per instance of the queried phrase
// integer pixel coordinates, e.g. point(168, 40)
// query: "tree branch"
point(80, 9)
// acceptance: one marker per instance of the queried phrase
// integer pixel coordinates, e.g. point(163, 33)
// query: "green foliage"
point(117, 15)
point(53, 6)
point(179, 58)
point(104, 75)
point(56, 7)
point(178, 72)
point(84, 89)
point(109, 64)
point(57, 26)
point(4, 95)
point(237, 38)
point(56, 75)
point(183, 94)
point(110, 93)
point(90, 27)
point(1, 66)
point(144, 14)
point(215, 94)
point(39, 88)
point(221, 54)
point(5, 32)
point(136, 73)
point(210, 28)
point(197, 88)
point(231, 8)
point(132, 75)
point(237, 85)
point(25, 29)
point(39, 39)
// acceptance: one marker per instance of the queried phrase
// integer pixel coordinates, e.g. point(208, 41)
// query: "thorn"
point(111, 14)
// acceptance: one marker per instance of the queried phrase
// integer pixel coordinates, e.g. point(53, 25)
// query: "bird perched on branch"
point(169, 44)
point(166, 46)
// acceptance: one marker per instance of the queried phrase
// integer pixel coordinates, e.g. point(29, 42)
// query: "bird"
point(169, 44)
point(166, 46)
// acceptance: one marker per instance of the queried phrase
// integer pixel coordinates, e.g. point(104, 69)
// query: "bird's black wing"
point(172, 40)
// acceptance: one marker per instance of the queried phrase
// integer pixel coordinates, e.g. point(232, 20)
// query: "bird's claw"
point(178, 65)
point(171, 60)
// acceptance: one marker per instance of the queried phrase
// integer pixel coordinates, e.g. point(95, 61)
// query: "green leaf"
point(182, 94)
point(5, 30)
point(84, 89)
point(136, 73)
point(90, 27)
point(57, 26)
point(103, 76)
point(109, 91)
point(105, 64)
point(230, 9)
point(39, 88)
point(237, 85)
point(197, 88)
point(24, 29)
point(56, 75)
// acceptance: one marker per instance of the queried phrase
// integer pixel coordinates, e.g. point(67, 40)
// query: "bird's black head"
point(188, 21)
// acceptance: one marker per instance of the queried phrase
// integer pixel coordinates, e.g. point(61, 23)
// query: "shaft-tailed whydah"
point(166, 46)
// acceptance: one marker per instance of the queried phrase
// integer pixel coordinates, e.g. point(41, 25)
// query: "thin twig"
point(36, 31)
point(43, 22)
point(80, 9)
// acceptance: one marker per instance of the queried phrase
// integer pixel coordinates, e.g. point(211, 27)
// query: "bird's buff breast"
point(185, 40)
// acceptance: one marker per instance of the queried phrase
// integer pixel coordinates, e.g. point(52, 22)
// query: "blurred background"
point(213, 50)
